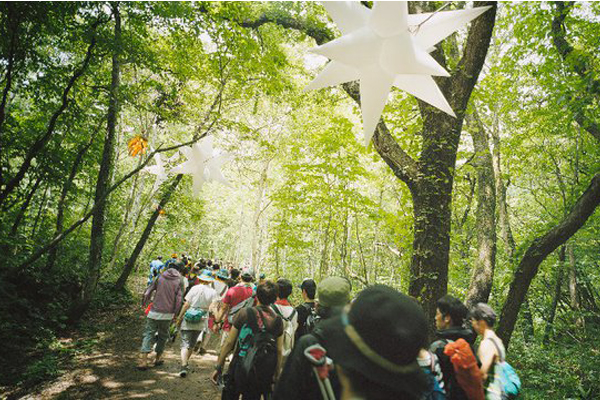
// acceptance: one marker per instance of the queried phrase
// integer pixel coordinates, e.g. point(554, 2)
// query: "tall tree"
point(430, 178)
point(137, 250)
point(586, 204)
point(104, 176)
point(482, 276)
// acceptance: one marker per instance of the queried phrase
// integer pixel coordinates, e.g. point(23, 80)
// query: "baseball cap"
point(333, 292)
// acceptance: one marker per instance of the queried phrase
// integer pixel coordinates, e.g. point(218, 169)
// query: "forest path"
point(109, 371)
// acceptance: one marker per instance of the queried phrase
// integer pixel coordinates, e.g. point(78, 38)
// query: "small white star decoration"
point(386, 47)
point(203, 163)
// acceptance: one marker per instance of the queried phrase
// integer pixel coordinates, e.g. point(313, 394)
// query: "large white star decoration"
point(203, 163)
point(386, 47)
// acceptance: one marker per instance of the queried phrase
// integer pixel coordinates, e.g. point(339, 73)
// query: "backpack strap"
point(278, 312)
point(431, 363)
point(223, 291)
point(501, 355)
point(252, 320)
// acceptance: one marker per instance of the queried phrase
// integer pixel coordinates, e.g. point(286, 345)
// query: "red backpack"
point(468, 375)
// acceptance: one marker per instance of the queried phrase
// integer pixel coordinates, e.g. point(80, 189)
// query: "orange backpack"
point(468, 375)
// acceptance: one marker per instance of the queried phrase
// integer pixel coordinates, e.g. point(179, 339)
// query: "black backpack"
point(256, 368)
point(312, 319)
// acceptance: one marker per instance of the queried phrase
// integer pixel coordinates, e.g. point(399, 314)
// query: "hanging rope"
point(414, 30)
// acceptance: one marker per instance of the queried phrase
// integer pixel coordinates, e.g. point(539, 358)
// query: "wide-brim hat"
point(223, 274)
point(379, 337)
point(206, 276)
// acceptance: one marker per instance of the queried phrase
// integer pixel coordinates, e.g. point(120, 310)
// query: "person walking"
point(155, 269)
point(167, 294)
point(234, 299)
point(450, 318)
point(374, 345)
point(193, 317)
point(306, 311)
point(298, 380)
point(256, 336)
point(491, 349)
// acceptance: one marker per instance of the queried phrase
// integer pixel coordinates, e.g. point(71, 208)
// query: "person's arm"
point(222, 313)
point(185, 307)
point(225, 350)
point(148, 293)
point(486, 354)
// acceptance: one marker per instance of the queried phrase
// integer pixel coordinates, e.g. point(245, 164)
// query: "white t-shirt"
point(199, 296)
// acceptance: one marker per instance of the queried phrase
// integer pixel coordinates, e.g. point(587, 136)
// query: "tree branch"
point(41, 142)
point(464, 77)
point(539, 249)
point(402, 164)
point(579, 62)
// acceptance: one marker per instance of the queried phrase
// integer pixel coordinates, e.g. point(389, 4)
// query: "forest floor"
point(107, 370)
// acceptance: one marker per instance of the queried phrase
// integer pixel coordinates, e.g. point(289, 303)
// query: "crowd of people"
point(331, 346)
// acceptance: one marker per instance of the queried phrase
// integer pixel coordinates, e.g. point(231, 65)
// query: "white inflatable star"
point(159, 170)
point(203, 163)
point(386, 47)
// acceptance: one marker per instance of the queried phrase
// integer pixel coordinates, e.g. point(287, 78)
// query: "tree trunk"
point(258, 209)
point(38, 216)
point(126, 220)
point(324, 264)
point(537, 252)
point(503, 218)
point(429, 179)
point(557, 289)
point(131, 261)
point(482, 277)
point(573, 290)
point(60, 213)
point(103, 182)
point(25, 206)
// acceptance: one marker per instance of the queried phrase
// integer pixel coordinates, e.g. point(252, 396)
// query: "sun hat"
point(223, 274)
point(247, 274)
point(333, 292)
point(379, 337)
point(206, 276)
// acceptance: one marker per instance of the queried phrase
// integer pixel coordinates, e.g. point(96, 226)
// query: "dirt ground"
point(109, 370)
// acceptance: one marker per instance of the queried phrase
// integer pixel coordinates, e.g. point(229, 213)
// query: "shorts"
point(189, 338)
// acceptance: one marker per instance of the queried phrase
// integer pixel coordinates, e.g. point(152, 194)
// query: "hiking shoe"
point(184, 371)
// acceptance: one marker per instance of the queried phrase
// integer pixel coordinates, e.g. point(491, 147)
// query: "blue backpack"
point(434, 390)
point(509, 380)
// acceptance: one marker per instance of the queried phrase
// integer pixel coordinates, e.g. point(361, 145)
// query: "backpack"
point(510, 384)
point(257, 355)
point(235, 309)
point(434, 390)
point(288, 330)
point(312, 319)
point(467, 373)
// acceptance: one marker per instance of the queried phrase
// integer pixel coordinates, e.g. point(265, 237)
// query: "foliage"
point(306, 198)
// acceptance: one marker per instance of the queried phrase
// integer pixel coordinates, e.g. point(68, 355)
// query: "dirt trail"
point(109, 371)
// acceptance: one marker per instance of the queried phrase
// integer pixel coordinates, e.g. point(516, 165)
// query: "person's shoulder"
point(196, 289)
